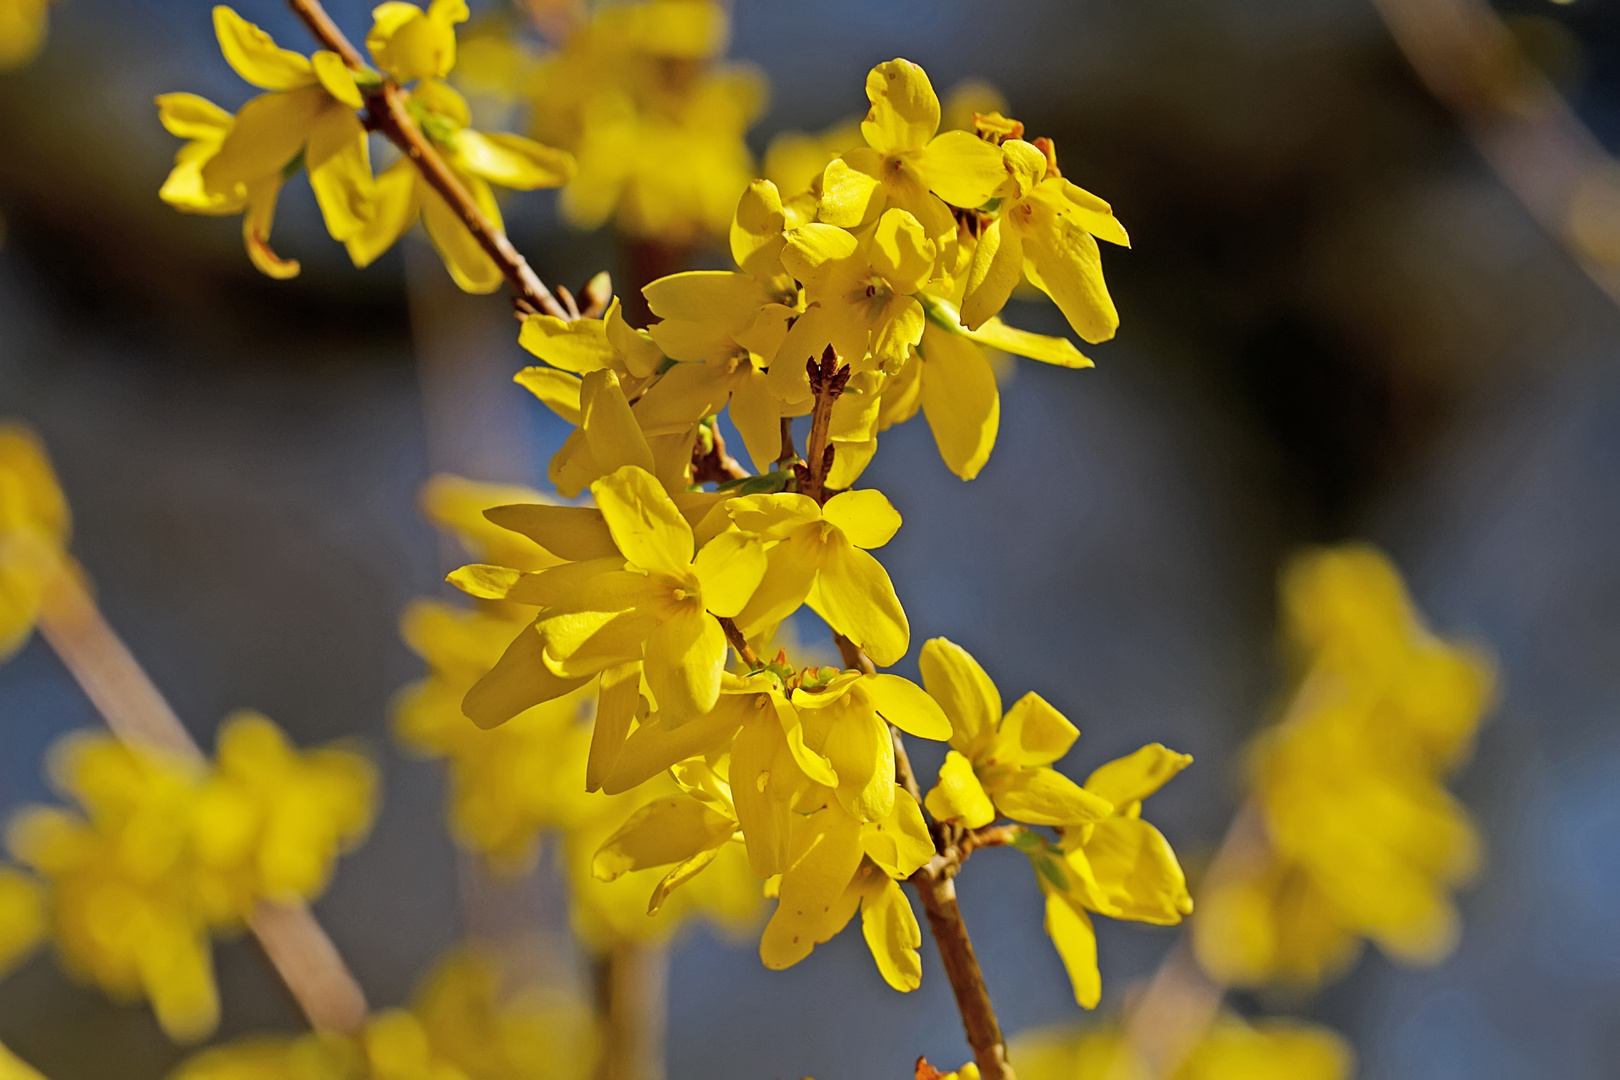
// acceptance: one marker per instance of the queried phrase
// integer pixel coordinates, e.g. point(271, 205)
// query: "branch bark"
point(386, 105)
point(301, 952)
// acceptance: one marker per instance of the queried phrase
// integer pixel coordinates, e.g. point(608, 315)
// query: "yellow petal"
point(574, 533)
point(897, 328)
point(22, 918)
point(1137, 872)
point(395, 209)
point(826, 852)
point(852, 190)
point(901, 253)
point(854, 594)
point(1042, 796)
point(512, 161)
point(484, 581)
point(905, 705)
point(664, 831)
point(905, 109)
point(471, 269)
point(578, 345)
point(958, 796)
point(254, 55)
point(843, 326)
point(1026, 167)
point(191, 117)
point(602, 623)
point(758, 417)
point(756, 230)
point(13, 1067)
point(639, 352)
point(1062, 260)
point(672, 736)
point(685, 658)
point(1093, 215)
point(256, 225)
point(962, 169)
point(890, 928)
point(729, 568)
point(336, 77)
point(409, 43)
point(611, 430)
point(960, 399)
point(720, 296)
point(268, 133)
point(645, 524)
point(1134, 777)
point(615, 709)
point(762, 782)
point(790, 572)
point(340, 172)
point(518, 681)
point(816, 252)
point(1048, 350)
point(1034, 733)
point(998, 263)
point(685, 394)
point(955, 680)
point(557, 390)
point(900, 844)
point(861, 750)
point(1071, 931)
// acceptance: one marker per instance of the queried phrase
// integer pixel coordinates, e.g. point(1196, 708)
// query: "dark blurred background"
point(1337, 323)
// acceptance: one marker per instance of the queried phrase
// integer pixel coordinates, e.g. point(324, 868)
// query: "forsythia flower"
point(410, 44)
point(460, 1027)
point(13, 1067)
point(22, 31)
point(165, 850)
point(22, 917)
point(236, 165)
point(1108, 861)
point(1231, 1049)
point(1360, 838)
point(34, 525)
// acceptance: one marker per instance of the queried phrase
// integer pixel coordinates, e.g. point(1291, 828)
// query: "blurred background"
point(1338, 322)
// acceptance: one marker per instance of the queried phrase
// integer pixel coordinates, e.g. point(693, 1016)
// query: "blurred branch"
point(386, 105)
point(1523, 127)
point(135, 710)
point(632, 986)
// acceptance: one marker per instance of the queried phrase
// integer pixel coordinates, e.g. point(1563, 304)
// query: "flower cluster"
point(1360, 839)
point(656, 123)
point(34, 524)
point(163, 851)
point(513, 784)
point(309, 116)
point(1231, 1049)
point(1106, 859)
point(461, 1026)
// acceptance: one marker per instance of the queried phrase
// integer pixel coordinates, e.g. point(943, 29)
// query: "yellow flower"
point(22, 917)
point(13, 1067)
point(818, 555)
point(1001, 765)
point(34, 524)
point(906, 165)
point(232, 165)
point(1047, 231)
point(22, 31)
point(410, 44)
point(1357, 836)
point(165, 851)
point(1232, 1049)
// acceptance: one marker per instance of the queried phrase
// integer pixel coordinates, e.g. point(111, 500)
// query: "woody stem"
point(740, 643)
point(386, 104)
point(300, 950)
point(936, 888)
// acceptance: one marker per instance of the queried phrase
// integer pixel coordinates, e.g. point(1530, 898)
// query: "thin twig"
point(827, 382)
point(302, 953)
point(936, 888)
point(386, 104)
point(740, 643)
point(715, 465)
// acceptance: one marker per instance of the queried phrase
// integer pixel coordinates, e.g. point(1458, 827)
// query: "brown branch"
point(386, 104)
point(715, 466)
point(936, 888)
point(135, 710)
point(632, 982)
point(740, 643)
point(827, 382)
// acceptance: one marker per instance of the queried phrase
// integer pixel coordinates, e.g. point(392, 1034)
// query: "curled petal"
point(958, 796)
point(255, 56)
point(905, 110)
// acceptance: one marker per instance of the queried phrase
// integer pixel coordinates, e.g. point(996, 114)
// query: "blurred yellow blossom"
point(22, 916)
point(22, 31)
point(13, 1067)
point(1358, 836)
point(1232, 1049)
point(163, 851)
point(34, 525)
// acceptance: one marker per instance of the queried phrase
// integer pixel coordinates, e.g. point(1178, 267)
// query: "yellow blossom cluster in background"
point(160, 853)
point(1232, 1049)
point(1360, 838)
point(34, 525)
point(463, 1025)
point(22, 31)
